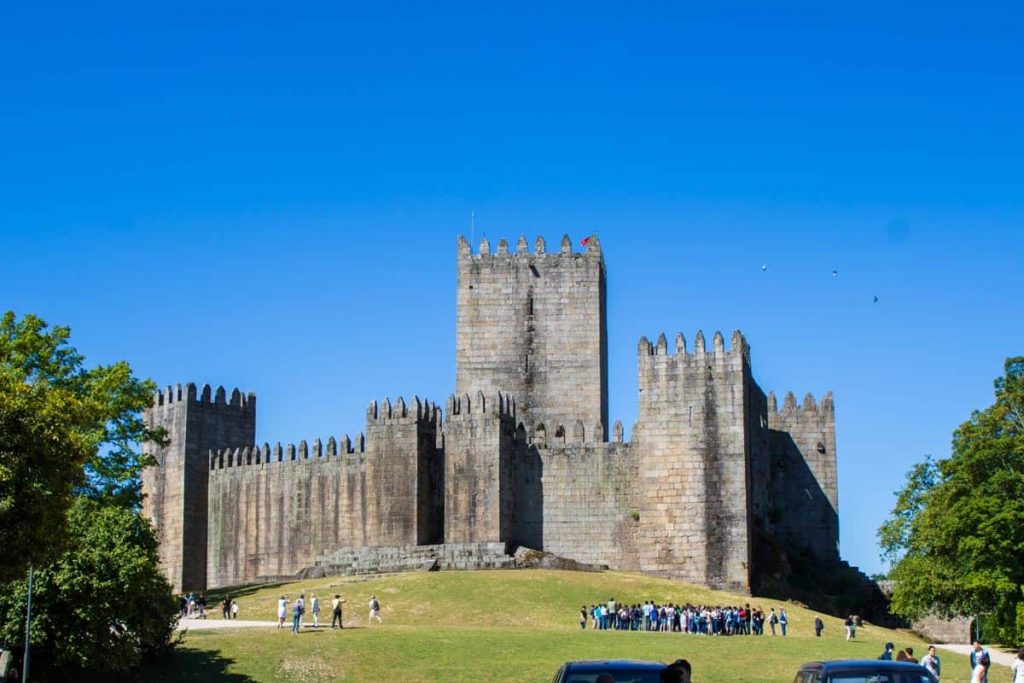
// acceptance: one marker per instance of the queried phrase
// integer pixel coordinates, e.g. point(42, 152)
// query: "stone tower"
point(803, 461)
point(176, 489)
point(695, 463)
point(533, 325)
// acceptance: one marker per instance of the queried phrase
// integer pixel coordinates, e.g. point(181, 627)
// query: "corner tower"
point(533, 324)
point(175, 489)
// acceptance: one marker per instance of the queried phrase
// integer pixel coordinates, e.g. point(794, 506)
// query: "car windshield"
point(888, 677)
point(618, 674)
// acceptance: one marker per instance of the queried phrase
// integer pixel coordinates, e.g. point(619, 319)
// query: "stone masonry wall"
point(274, 511)
point(479, 444)
point(589, 500)
point(176, 489)
point(695, 461)
point(533, 325)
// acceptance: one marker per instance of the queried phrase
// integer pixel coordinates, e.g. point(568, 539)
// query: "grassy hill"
point(502, 626)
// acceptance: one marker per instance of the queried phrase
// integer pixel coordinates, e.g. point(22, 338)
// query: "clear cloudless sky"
point(268, 195)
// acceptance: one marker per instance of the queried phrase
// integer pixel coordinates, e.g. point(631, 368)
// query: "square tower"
point(534, 325)
point(175, 489)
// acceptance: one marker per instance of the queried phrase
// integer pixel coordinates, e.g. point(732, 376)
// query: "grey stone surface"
point(715, 479)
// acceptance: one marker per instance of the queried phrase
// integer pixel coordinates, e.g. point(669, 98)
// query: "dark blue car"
point(863, 671)
point(621, 671)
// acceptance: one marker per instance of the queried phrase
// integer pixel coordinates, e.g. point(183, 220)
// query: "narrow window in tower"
point(529, 306)
point(526, 362)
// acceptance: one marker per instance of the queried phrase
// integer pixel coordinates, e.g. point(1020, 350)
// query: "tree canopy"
point(64, 429)
point(102, 605)
point(956, 534)
point(70, 470)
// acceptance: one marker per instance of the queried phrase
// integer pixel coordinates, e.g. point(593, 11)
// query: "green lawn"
point(503, 626)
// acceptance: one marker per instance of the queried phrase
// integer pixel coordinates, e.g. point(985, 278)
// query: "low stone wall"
point(350, 561)
point(938, 630)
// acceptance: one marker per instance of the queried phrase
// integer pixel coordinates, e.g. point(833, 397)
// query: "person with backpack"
point(298, 608)
point(819, 626)
point(773, 619)
point(374, 610)
point(336, 611)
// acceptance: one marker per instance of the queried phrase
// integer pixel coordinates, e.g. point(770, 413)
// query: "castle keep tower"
point(176, 489)
point(533, 325)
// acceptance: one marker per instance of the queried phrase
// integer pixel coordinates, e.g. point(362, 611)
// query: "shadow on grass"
point(191, 666)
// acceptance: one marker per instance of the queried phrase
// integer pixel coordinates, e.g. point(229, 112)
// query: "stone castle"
point(715, 484)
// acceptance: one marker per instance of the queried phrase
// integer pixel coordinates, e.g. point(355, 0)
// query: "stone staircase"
point(355, 561)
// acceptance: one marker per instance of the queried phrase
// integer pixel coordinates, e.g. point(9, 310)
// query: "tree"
point(956, 534)
point(103, 605)
point(64, 429)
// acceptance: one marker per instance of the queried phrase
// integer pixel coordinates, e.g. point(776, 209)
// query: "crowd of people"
point(694, 619)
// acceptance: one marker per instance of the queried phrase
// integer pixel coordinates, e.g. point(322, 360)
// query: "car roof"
point(614, 664)
point(857, 664)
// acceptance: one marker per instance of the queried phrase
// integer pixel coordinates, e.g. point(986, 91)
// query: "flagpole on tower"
point(472, 228)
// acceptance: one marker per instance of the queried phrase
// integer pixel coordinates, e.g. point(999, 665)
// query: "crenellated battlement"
point(178, 394)
point(462, 406)
point(415, 411)
point(809, 405)
point(659, 351)
point(502, 250)
point(228, 458)
point(545, 436)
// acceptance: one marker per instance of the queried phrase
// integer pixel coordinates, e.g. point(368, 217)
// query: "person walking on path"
point(932, 662)
point(783, 620)
point(282, 610)
point(819, 625)
point(374, 610)
point(315, 609)
point(336, 612)
point(234, 609)
point(296, 615)
point(1017, 668)
point(773, 619)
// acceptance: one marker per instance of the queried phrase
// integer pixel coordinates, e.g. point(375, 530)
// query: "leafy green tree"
point(64, 428)
point(956, 535)
point(102, 605)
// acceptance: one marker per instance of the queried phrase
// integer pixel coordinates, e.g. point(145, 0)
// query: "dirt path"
point(998, 656)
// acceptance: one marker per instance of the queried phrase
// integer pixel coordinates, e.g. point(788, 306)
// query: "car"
point(863, 671)
point(621, 670)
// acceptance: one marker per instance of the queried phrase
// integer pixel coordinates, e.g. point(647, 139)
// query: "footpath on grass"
point(997, 656)
point(217, 624)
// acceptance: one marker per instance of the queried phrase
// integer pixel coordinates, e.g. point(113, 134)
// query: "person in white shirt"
point(931, 662)
point(977, 654)
point(1018, 667)
point(282, 610)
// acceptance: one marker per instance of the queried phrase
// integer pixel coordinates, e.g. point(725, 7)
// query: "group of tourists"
point(192, 606)
point(703, 620)
point(297, 608)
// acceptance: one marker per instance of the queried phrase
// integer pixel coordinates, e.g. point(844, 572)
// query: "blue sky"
point(269, 196)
